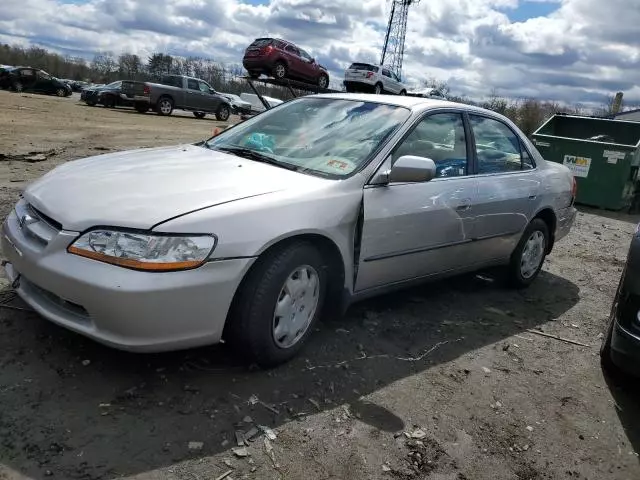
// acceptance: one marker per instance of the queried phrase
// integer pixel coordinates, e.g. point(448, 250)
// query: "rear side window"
point(498, 148)
point(292, 49)
point(192, 84)
point(172, 81)
point(363, 66)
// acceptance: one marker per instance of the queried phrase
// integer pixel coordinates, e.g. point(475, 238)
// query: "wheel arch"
point(329, 250)
point(548, 216)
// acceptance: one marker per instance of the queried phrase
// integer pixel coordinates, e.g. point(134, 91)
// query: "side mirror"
point(412, 169)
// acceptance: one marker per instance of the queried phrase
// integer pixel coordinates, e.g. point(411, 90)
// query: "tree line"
point(527, 113)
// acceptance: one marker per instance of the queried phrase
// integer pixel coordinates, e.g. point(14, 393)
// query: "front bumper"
point(125, 309)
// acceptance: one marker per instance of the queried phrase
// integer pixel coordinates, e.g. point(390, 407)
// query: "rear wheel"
point(378, 89)
point(528, 257)
point(278, 304)
point(61, 92)
point(91, 103)
point(109, 102)
point(199, 114)
point(18, 87)
point(403, 92)
point(254, 74)
point(279, 70)
point(323, 81)
point(223, 112)
point(164, 106)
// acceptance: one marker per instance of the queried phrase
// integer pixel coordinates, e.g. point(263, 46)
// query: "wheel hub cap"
point(532, 254)
point(296, 306)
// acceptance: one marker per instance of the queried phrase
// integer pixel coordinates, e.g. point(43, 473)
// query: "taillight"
point(369, 74)
point(146, 90)
point(267, 50)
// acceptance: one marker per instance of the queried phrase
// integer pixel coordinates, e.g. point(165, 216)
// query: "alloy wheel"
point(280, 71)
point(165, 107)
point(296, 306)
point(532, 254)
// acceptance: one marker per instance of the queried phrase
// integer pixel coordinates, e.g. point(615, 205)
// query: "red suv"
point(283, 59)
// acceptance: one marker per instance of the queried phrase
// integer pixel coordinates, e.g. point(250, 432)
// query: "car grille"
point(35, 225)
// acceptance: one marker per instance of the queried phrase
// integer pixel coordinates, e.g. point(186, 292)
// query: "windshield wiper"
point(257, 156)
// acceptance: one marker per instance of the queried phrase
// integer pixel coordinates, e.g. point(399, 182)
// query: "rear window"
point(261, 42)
point(363, 66)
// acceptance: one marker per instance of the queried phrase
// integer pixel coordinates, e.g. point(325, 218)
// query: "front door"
point(414, 230)
point(507, 187)
point(209, 101)
point(193, 94)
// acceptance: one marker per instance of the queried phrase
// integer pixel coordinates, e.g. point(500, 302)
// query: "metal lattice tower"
point(393, 50)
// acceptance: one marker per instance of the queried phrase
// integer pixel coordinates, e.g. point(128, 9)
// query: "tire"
point(534, 241)
point(18, 87)
point(403, 93)
point(378, 90)
point(61, 92)
point(164, 107)
point(323, 81)
point(223, 112)
point(141, 107)
point(606, 361)
point(91, 103)
point(280, 70)
point(254, 75)
point(254, 328)
point(199, 114)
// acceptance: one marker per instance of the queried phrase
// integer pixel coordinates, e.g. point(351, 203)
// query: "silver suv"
point(366, 77)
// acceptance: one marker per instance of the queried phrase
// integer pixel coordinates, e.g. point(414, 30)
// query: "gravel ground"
point(445, 381)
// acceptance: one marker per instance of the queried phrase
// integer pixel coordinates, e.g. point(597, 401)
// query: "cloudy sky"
point(575, 51)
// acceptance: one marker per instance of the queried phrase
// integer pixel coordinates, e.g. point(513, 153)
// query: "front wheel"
point(223, 113)
point(61, 92)
point(323, 81)
point(164, 106)
point(378, 89)
point(528, 257)
point(403, 92)
point(278, 304)
point(141, 107)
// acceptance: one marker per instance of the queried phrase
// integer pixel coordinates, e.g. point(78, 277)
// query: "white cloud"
point(582, 51)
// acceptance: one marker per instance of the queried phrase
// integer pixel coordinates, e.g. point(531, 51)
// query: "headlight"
point(150, 252)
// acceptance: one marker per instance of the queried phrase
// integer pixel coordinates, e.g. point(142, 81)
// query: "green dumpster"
point(603, 155)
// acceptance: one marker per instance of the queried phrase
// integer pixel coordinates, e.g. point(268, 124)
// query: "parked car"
point(282, 59)
point(256, 104)
point(366, 77)
point(176, 91)
point(256, 233)
point(238, 106)
point(620, 349)
point(427, 92)
point(27, 79)
point(107, 95)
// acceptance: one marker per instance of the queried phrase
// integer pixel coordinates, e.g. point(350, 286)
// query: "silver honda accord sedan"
point(256, 233)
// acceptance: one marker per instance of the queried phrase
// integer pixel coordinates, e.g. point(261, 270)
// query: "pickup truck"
point(176, 92)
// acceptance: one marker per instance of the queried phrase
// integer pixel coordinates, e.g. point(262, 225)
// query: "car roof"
point(414, 103)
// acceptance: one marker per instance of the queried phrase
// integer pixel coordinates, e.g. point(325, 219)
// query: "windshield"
point(323, 136)
point(115, 84)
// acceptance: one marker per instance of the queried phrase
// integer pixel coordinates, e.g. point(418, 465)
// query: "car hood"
point(142, 188)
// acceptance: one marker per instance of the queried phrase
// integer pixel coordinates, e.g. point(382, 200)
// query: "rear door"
point(508, 186)
point(414, 230)
point(294, 61)
point(27, 76)
point(388, 83)
point(309, 66)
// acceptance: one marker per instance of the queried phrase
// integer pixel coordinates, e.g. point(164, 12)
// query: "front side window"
point(292, 49)
point(27, 72)
point(321, 136)
point(204, 87)
point(305, 56)
point(44, 75)
point(441, 138)
point(498, 147)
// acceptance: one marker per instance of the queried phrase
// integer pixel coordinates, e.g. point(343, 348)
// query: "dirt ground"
point(453, 364)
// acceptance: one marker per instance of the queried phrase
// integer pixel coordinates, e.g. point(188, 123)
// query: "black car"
point(107, 95)
point(27, 79)
point(621, 345)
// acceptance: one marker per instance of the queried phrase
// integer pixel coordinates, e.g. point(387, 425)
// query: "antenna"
point(393, 49)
